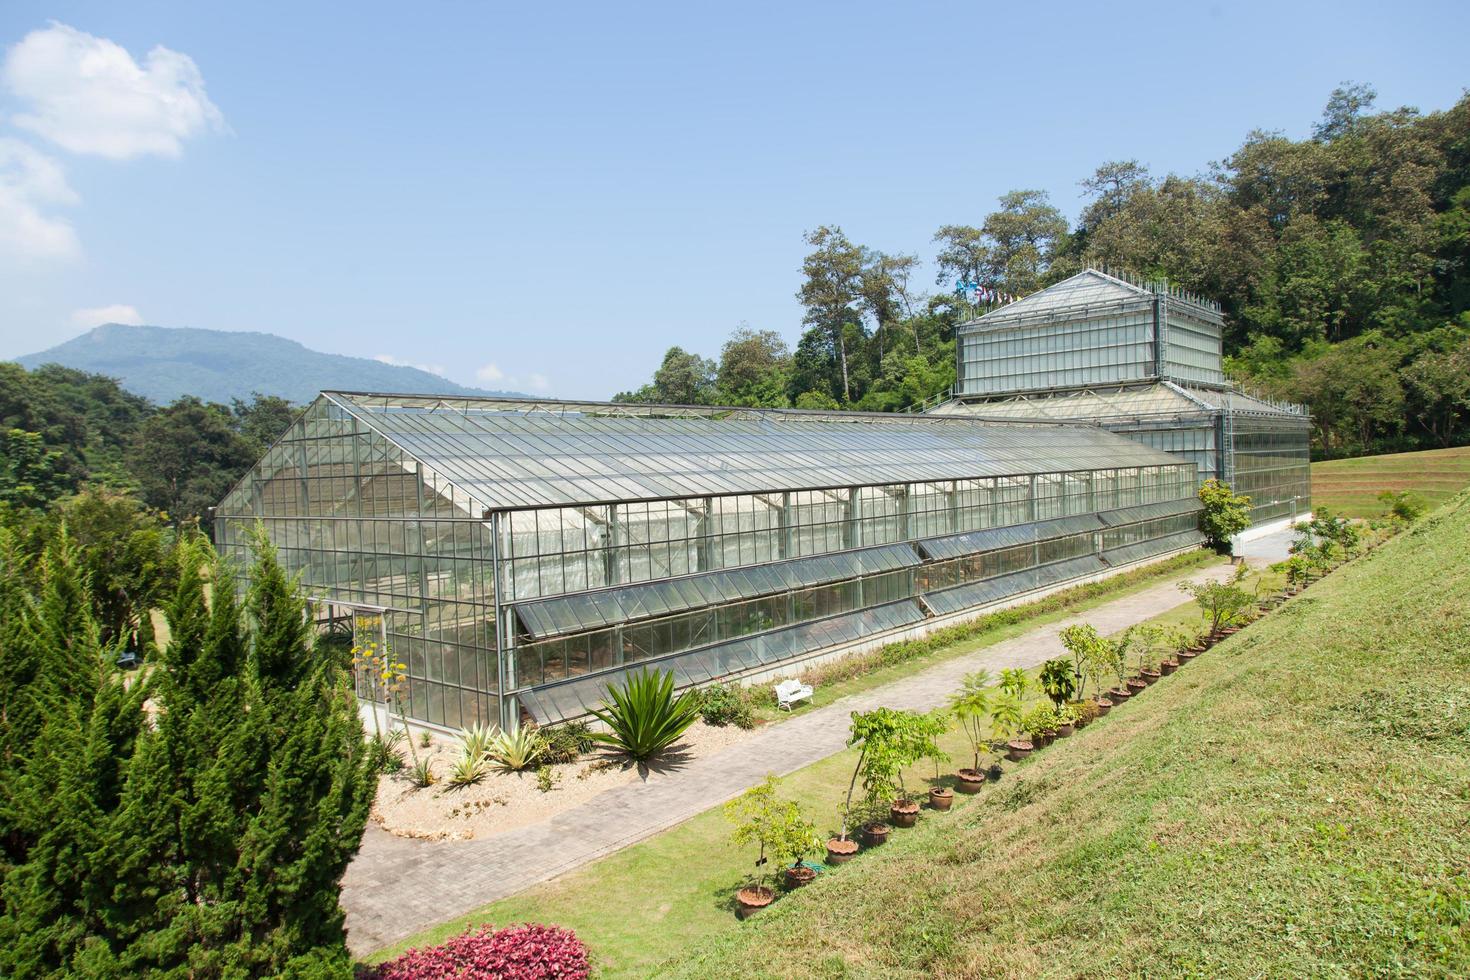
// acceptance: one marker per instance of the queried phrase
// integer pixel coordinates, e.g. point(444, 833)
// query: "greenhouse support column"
point(853, 533)
point(954, 506)
point(788, 544)
point(1161, 335)
point(504, 651)
point(704, 549)
point(610, 564)
point(423, 576)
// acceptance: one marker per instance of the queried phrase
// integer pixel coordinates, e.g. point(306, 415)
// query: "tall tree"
point(1023, 237)
point(754, 369)
point(831, 289)
point(187, 456)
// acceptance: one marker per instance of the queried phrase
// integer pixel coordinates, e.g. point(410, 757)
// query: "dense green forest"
point(62, 430)
point(1342, 262)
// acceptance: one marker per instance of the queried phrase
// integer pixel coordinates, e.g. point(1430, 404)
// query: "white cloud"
point(95, 316)
point(438, 369)
point(493, 375)
point(31, 183)
point(87, 95)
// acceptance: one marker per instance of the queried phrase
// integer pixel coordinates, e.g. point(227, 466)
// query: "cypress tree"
point(22, 708)
point(204, 836)
point(307, 821)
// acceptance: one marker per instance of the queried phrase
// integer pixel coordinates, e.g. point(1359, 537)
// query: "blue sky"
point(546, 197)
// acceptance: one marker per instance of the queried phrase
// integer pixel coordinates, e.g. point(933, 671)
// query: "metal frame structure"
point(1141, 359)
point(525, 553)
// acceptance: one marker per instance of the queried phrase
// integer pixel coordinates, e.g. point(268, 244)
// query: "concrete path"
point(397, 886)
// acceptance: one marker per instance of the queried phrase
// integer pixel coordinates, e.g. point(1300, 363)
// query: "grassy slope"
point(1296, 802)
point(1351, 486)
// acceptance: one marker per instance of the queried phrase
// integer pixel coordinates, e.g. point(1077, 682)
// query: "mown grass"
point(1294, 803)
point(1352, 486)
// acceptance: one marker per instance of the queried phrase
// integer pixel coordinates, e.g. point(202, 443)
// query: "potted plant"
point(971, 704)
point(1222, 602)
point(915, 737)
point(1067, 716)
point(1005, 719)
point(936, 722)
point(1059, 679)
point(1039, 724)
point(879, 734)
point(778, 828)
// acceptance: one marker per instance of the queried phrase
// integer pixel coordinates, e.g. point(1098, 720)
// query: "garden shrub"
point(726, 704)
point(1403, 504)
point(524, 952)
point(565, 742)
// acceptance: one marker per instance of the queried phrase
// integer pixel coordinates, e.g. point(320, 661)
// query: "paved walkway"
point(397, 886)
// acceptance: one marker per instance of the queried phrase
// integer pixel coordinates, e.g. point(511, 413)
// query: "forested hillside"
point(62, 430)
point(1342, 262)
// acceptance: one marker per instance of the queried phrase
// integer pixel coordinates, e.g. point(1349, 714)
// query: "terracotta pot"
point(1119, 695)
point(875, 834)
point(1038, 740)
point(799, 875)
point(1167, 667)
point(1149, 676)
point(1066, 729)
point(1103, 705)
point(1018, 749)
point(970, 781)
point(1137, 685)
point(994, 772)
point(1048, 736)
point(751, 900)
point(840, 851)
point(903, 813)
point(941, 798)
point(1185, 656)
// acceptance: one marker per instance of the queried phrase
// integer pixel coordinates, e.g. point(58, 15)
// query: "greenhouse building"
point(1141, 359)
point(519, 555)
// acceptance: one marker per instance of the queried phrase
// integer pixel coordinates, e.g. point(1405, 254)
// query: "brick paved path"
point(398, 886)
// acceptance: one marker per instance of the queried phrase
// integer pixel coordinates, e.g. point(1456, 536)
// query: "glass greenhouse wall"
point(1139, 359)
point(520, 555)
point(1092, 329)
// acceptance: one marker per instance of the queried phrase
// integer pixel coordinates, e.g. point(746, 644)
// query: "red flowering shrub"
point(525, 952)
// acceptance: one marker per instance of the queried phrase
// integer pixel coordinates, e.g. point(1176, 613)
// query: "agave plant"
point(516, 751)
point(643, 717)
point(469, 769)
point(475, 740)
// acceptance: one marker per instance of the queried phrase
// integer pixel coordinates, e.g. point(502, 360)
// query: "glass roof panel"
point(503, 454)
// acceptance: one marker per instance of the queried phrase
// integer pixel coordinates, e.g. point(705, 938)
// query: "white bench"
point(790, 692)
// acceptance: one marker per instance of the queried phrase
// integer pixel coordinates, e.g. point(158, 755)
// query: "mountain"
point(162, 363)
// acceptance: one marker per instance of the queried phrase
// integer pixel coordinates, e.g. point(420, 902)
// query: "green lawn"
point(1294, 803)
point(665, 896)
point(1351, 486)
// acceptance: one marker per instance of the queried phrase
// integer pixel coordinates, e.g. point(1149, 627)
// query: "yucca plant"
point(516, 751)
point(643, 716)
